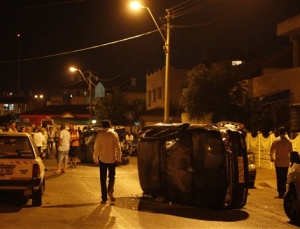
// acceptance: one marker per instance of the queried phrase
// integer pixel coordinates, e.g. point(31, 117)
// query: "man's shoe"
point(103, 202)
point(111, 197)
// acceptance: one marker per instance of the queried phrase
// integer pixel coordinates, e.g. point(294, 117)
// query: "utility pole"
point(167, 51)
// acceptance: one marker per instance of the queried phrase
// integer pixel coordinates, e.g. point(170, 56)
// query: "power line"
point(239, 11)
point(79, 50)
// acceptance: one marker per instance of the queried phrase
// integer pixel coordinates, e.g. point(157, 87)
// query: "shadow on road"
point(149, 205)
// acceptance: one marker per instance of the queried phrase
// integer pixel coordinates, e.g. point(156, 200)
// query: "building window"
point(8, 107)
point(153, 95)
point(149, 99)
point(133, 82)
point(184, 90)
point(295, 118)
point(159, 93)
point(236, 62)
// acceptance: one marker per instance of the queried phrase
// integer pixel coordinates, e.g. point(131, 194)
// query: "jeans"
point(111, 168)
point(281, 175)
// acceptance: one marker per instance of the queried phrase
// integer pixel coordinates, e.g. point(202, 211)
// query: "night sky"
point(100, 36)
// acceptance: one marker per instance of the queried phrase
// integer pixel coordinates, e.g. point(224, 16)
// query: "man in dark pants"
point(108, 154)
point(281, 148)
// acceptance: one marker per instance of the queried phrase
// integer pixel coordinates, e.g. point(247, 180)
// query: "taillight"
point(35, 171)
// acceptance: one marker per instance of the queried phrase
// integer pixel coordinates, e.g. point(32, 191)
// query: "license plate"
point(6, 170)
point(241, 170)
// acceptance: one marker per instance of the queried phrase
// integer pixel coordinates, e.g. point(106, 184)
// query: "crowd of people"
point(47, 138)
point(107, 152)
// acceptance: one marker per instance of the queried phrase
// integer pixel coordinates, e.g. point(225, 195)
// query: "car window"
point(15, 147)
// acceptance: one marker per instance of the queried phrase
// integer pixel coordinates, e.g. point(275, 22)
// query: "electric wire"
point(193, 9)
point(239, 11)
point(132, 63)
point(79, 50)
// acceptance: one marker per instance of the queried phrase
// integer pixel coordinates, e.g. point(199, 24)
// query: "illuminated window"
point(236, 62)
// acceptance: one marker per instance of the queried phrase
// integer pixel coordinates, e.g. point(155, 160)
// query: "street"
point(72, 200)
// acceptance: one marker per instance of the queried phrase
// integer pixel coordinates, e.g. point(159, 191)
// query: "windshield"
point(15, 147)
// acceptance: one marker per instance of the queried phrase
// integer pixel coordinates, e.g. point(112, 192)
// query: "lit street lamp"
point(136, 5)
point(89, 82)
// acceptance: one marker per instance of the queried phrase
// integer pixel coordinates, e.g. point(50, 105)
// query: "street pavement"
point(266, 178)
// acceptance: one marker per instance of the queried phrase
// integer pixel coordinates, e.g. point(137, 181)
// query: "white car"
point(291, 201)
point(22, 171)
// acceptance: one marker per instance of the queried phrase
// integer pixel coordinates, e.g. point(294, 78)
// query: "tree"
point(113, 107)
point(217, 92)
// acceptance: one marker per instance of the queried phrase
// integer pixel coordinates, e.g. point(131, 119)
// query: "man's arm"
point(96, 150)
point(272, 152)
point(118, 148)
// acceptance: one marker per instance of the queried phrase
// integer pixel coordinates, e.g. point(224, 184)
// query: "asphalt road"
point(72, 200)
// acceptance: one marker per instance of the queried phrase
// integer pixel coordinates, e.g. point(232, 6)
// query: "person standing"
point(280, 154)
point(129, 142)
point(51, 136)
point(56, 140)
point(108, 154)
point(63, 149)
point(39, 140)
point(45, 149)
point(12, 127)
point(74, 145)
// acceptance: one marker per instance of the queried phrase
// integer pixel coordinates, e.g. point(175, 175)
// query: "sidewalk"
point(266, 178)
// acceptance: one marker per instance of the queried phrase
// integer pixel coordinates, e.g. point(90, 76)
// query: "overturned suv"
point(291, 201)
point(204, 165)
point(22, 172)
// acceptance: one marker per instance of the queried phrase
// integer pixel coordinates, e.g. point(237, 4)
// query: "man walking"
point(281, 148)
point(107, 153)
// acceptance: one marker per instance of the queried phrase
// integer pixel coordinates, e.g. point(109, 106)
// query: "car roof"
point(15, 134)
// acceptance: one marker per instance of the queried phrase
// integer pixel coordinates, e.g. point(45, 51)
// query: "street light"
point(89, 82)
point(136, 5)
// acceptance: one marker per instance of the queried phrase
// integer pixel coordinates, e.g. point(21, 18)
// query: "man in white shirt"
point(39, 139)
point(108, 154)
point(63, 149)
point(280, 154)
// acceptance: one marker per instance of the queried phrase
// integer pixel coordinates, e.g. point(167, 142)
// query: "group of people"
point(67, 146)
point(107, 150)
point(46, 138)
point(107, 153)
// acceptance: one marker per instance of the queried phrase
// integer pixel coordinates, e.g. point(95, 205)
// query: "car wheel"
point(292, 205)
point(37, 195)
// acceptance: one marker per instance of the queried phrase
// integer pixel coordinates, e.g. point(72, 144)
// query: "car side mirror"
point(294, 157)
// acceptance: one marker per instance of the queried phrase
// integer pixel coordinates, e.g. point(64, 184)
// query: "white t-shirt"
point(129, 137)
point(65, 143)
point(39, 139)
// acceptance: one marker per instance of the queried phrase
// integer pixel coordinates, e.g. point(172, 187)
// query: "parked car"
point(22, 171)
point(251, 170)
point(87, 140)
point(291, 202)
point(203, 165)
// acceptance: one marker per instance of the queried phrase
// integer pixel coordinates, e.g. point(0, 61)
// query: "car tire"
point(37, 195)
point(291, 205)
